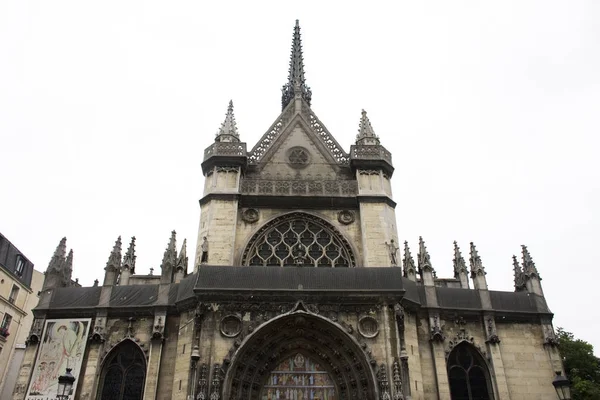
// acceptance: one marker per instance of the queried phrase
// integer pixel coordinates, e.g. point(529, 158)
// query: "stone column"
point(153, 370)
point(493, 347)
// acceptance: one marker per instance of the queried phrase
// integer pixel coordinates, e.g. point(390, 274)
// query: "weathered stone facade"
point(298, 266)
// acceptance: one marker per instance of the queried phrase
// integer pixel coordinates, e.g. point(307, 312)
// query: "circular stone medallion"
point(231, 326)
point(368, 327)
point(346, 217)
point(298, 157)
point(250, 215)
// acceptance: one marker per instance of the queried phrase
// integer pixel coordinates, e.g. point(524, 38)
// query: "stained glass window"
point(123, 373)
point(298, 377)
point(467, 374)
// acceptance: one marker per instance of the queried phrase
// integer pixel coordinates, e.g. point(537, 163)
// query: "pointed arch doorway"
point(299, 354)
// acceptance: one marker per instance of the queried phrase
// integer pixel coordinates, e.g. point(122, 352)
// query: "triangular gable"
point(285, 124)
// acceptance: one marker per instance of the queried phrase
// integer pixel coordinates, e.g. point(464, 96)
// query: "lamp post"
point(65, 384)
point(562, 387)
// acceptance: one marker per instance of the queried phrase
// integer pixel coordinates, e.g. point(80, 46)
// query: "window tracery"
point(468, 374)
point(123, 373)
point(298, 239)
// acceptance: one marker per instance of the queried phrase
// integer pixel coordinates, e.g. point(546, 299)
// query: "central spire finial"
point(296, 84)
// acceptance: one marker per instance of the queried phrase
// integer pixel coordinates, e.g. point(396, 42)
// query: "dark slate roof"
point(136, 295)
point(458, 298)
point(185, 289)
point(73, 297)
point(518, 301)
point(307, 279)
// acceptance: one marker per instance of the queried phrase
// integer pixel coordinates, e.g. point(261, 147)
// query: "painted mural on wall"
point(298, 377)
point(63, 345)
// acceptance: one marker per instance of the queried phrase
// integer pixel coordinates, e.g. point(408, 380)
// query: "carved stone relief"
point(250, 215)
point(368, 327)
point(346, 217)
point(231, 326)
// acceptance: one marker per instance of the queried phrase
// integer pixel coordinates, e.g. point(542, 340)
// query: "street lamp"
point(65, 384)
point(561, 384)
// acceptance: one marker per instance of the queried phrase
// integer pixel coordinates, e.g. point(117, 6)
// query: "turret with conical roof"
point(367, 152)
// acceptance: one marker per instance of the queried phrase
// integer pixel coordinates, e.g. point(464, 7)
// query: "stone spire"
point(169, 260)
point(68, 268)
point(408, 264)
point(128, 266)
point(460, 268)
point(530, 273)
point(182, 263)
point(58, 259)
point(129, 258)
point(425, 268)
point(366, 134)
point(55, 274)
point(113, 265)
point(477, 271)
point(228, 131)
point(519, 277)
point(296, 84)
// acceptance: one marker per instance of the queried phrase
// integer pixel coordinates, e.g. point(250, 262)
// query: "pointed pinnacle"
point(182, 260)
point(459, 261)
point(529, 267)
point(296, 84)
point(58, 258)
point(366, 134)
point(229, 126)
point(475, 260)
point(129, 258)
point(407, 261)
point(170, 256)
point(424, 259)
point(114, 259)
point(69, 261)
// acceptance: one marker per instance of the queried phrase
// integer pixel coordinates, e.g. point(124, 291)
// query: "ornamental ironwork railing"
point(299, 187)
point(370, 152)
point(225, 149)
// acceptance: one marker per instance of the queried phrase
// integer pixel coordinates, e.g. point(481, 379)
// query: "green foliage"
point(581, 366)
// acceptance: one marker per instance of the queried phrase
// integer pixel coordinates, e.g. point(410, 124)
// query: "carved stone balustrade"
point(371, 156)
point(225, 153)
point(299, 187)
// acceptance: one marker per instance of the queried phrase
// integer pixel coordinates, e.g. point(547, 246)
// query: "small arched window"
point(298, 239)
point(123, 373)
point(468, 374)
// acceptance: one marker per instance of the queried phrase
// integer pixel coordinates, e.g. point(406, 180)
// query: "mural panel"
point(63, 345)
point(298, 377)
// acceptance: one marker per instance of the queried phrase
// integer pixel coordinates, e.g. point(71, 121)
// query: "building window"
point(14, 293)
point(298, 239)
point(5, 326)
point(20, 265)
point(468, 374)
point(123, 373)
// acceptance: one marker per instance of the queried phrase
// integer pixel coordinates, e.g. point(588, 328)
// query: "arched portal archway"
point(338, 356)
point(123, 373)
point(468, 374)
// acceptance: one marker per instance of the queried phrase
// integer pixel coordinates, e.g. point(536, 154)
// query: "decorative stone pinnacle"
point(228, 131)
point(58, 259)
point(407, 262)
point(296, 84)
point(460, 266)
point(129, 259)
point(519, 277)
point(114, 260)
point(170, 256)
point(529, 268)
point(182, 260)
point(475, 261)
point(424, 260)
point(366, 134)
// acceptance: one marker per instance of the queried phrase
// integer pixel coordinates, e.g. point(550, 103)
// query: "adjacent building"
point(300, 289)
point(19, 287)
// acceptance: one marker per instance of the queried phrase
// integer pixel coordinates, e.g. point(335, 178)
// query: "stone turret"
point(58, 273)
point(408, 264)
point(113, 265)
point(128, 266)
point(530, 273)
point(169, 261)
point(460, 268)
point(425, 268)
point(477, 271)
point(182, 263)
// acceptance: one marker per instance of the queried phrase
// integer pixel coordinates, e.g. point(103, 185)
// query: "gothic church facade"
point(298, 291)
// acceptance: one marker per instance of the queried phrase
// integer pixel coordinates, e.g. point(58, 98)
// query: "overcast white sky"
point(489, 108)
